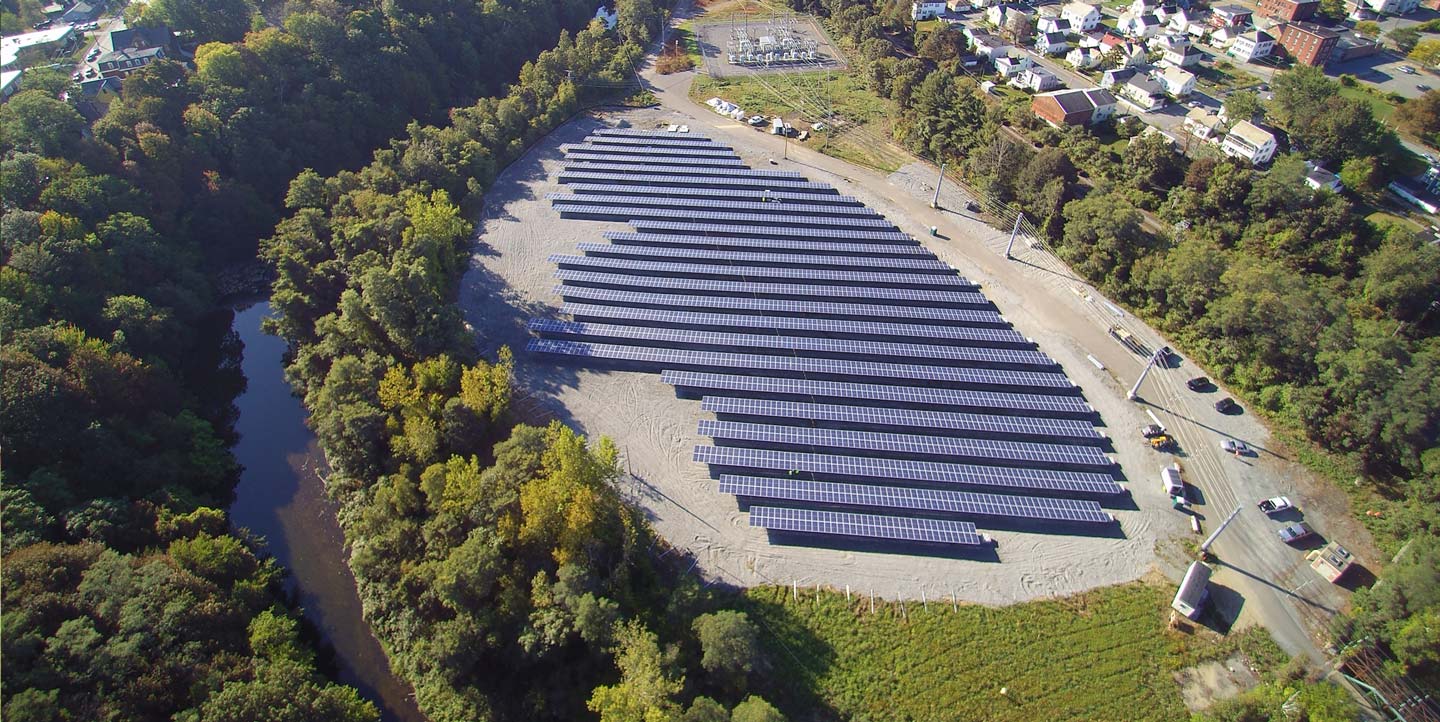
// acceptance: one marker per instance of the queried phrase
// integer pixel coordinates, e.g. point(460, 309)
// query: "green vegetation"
point(1381, 107)
point(1103, 655)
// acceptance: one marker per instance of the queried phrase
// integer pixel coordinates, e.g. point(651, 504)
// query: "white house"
point(1144, 92)
point(1083, 17)
point(987, 45)
point(996, 14)
point(1084, 58)
point(1320, 179)
point(1176, 51)
point(1204, 125)
point(959, 6)
point(1252, 45)
point(926, 9)
point(1010, 67)
point(1116, 76)
point(1139, 26)
point(1131, 53)
point(1052, 24)
point(1250, 142)
point(1036, 79)
point(1181, 20)
point(1051, 44)
point(1177, 83)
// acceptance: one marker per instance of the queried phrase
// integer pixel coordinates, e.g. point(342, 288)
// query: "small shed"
point(1170, 479)
point(1194, 592)
point(1331, 560)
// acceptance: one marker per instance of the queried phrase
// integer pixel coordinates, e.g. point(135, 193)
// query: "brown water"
point(281, 498)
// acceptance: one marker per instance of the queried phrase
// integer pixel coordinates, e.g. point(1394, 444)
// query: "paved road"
point(1260, 578)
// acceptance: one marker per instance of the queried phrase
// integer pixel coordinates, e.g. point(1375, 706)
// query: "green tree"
point(1426, 51)
point(755, 709)
point(1103, 237)
point(728, 644)
point(1405, 38)
point(1151, 163)
point(648, 686)
point(33, 121)
point(1421, 115)
point(704, 709)
point(222, 20)
point(1368, 28)
point(1243, 105)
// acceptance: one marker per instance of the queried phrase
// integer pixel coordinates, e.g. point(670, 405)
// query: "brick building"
point(1289, 10)
point(1308, 43)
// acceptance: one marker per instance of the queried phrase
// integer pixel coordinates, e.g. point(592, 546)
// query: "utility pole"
point(1013, 232)
point(1205, 548)
point(935, 202)
point(1135, 390)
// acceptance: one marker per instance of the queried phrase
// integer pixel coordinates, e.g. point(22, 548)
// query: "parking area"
point(1390, 74)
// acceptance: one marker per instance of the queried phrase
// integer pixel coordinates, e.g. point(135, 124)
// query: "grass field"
point(1381, 107)
point(807, 97)
point(1102, 655)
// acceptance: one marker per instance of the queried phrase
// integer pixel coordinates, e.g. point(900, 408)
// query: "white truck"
point(1174, 486)
point(1276, 504)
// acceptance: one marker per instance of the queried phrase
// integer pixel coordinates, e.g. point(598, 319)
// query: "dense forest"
point(1321, 311)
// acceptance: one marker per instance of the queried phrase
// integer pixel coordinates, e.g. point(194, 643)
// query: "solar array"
point(861, 386)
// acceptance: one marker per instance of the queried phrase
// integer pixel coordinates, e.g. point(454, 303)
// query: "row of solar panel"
point(786, 290)
point(822, 198)
point(871, 526)
point(791, 345)
point(631, 177)
point(767, 489)
point(688, 152)
point(681, 142)
point(764, 205)
point(800, 309)
point(1023, 452)
point(763, 272)
point(704, 165)
point(829, 327)
point(929, 472)
point(629, 238)
point(686, 214)
point(660, 135)
point(916, 419)
point(1001, 402)
point(668, 358)
point(685, 170)
point(725, 229)
point(929, 265)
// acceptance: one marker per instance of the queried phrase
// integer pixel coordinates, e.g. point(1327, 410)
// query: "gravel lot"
point(714, 38)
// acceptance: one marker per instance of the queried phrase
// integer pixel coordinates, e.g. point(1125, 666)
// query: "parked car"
point(90, 73)
point(90, 56)
point(1152, 431)
point(77, 76)
point(1276, 504)
point(1407, 69)
point(1166, 353)
point(1291, 533)
point(972, 206)
point(1422, 87)
point(1198, 383)
point(1231, 446)
point(756, 120)
point(41, 25)
point(1226, 405)
point(90, 26)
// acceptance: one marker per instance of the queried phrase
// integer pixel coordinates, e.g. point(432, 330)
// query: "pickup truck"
point(1275, 505)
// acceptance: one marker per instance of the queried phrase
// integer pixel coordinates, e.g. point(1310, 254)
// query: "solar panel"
point(767, 244)
point(631, 190)
point(759, 273)
point(883, 394)
point(654, 160)
point(628, 212)
point(835, 523)
point(688, 152)
point(707, 285)
point(927, 314)
point(758, 205)
point(827, 234)
point(680, 142)
point(632, 177)
point(832, 327)
point(686, 170)
point(661, 135)
point(930, 421)
point(933, 472)
point(809, 345)
point(915, 500)
point(1022, 452)
point(912, 265)
point(673, 358)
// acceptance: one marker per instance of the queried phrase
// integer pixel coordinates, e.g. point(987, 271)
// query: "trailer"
point(1194, 592)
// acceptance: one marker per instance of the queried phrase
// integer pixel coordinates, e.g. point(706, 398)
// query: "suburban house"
point(958, 6)
point(996, 14)
point(9, 83)
point(1083, 17)
point(27, 47)
point(1204, 124)
point(1131, 53)
point(1143, 92)
point(1036, 79)
point(1230, 16)
point(1084, 58)
point(1392, 7)
point(127, 50)
point(121, 63)
point(1019, 25)
point(1140, 26)
point(1289, 10)
point(1251, 45)
point(1052, 24)
point(1188, 22)
point(1176, 51)
point(1308, 43)
point(922, 10)
point(1009, 67)
point(1081, 106)
point(1116, 76)
point(1320, 179)
point(987, 45)
point(1052, 44)
point(1177, 83)
point(1249, 142)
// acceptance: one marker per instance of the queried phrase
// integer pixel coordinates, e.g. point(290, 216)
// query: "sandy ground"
point(511, 281)
point(1208, 683)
